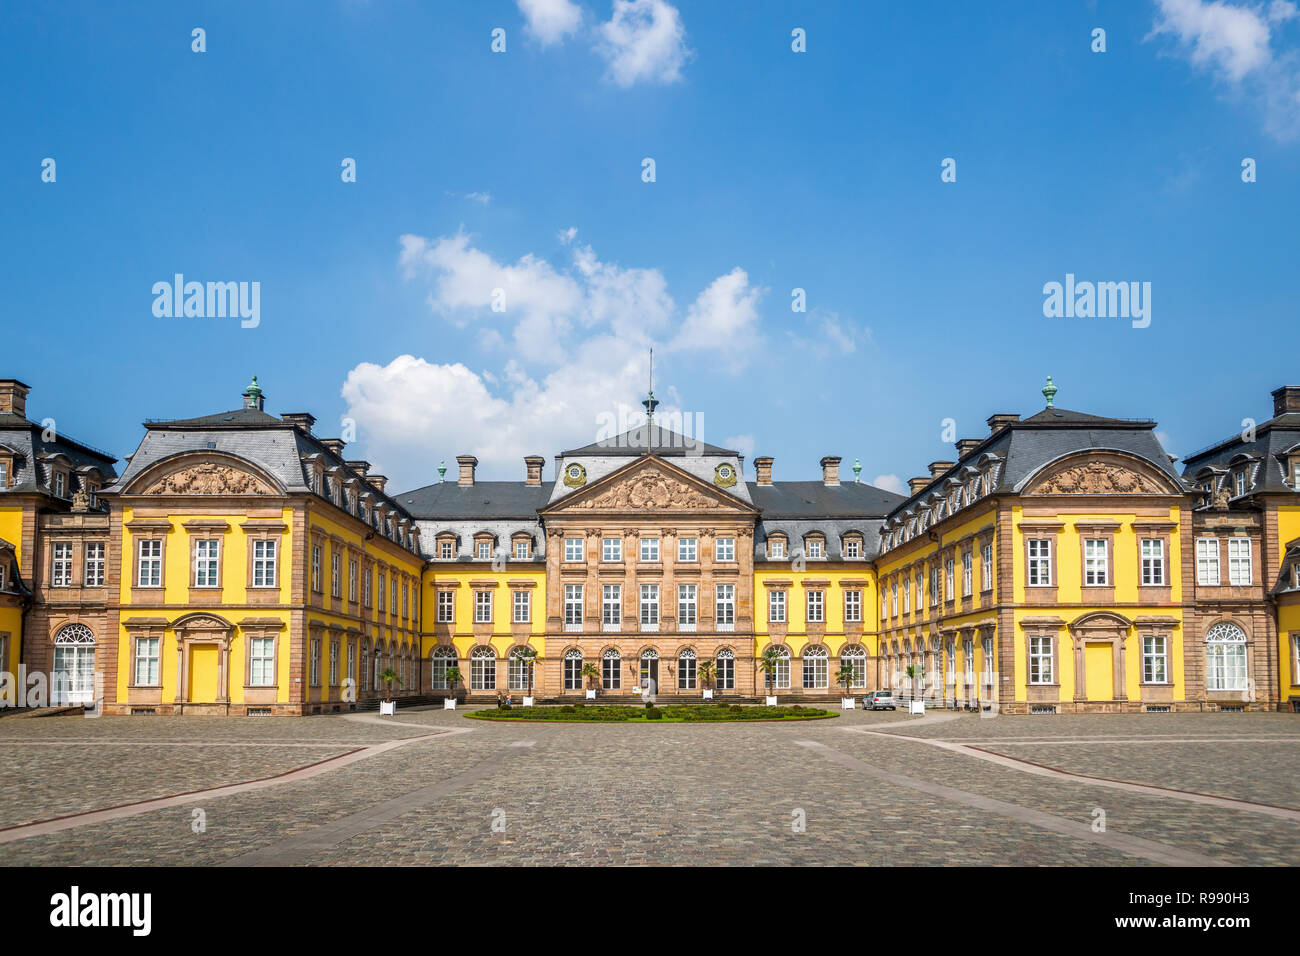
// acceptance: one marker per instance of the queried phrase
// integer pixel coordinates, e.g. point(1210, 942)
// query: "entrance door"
point(1097, 659)
point(650, 674)
point(74, 665)
point(203, 673)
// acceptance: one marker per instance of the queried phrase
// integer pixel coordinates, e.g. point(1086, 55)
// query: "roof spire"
point(442, 470)
point(650, 402)
point(1049, 391)
point(857, 469)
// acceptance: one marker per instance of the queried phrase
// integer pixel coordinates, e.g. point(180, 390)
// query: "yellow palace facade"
point(239, 564)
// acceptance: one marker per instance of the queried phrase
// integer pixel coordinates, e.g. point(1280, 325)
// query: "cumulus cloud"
point(890, 483)
point(549, 21)
point(643, 40)
point(574, 339)
point(1240, 46)
point(741, 443)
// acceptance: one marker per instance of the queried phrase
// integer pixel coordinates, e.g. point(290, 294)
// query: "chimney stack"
point(997, 422)
point(763, 468)
point(830, 470)
point(377, 482)
point(967, 445)
point(335, 445)
point(916, 484)
point(1285, 399)
point(939, 467)
point(467, 465)
point(534, 465)
point(13, 397)
point(360, 467)
point(300, 420)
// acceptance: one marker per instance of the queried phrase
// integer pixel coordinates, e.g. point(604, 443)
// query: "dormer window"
point(776, 547)
point(60, 485)
point(814, 547)
point(1239, 482)
point(852, 547)
point(4, 474)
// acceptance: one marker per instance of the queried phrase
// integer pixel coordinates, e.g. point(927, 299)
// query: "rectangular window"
point(93, 568)
point(1040, 659)
point(650, 600)
point(934, 585)
point(146, 661)
point(484, 550)
point(521, 550)
point(611, 604)
point(815, 548)
point(726, 679)
point(725, 550)
point(686, 605)
point(381, 592)
point(315, 662)
point(948, 588)
point(852, 606)
point(446, 607)
point(967, 573)
point(352, 581)
point(650, 549)
point(207, 562)
point(776, 607)
point(611, 549)
point(573, 604)
point(1153, 562)
point(446, 549)
point(264, 559)
point(1239, 565)
point(336, 583)
point(816, 607)
point(392, 596)
point(368, 587)
point(1096, 567)
point(315, 568)
point(893, 599)
point(523, 613)
point(852, 548)
point(1155, 660)
point(1039, 572)
point(726, 605)
point(406, 600)
point(482, 607)
point(687, 549)
point(986, 567)
point(261, 662)
point(776, 548)
point(1207, 561)
point(611, 675)
point(334, 663)
point(907, 595)
point(149, 563)
point(61, 565)
point(572, 549)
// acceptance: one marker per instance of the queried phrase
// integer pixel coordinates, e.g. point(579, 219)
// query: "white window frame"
point(1038, 567)
point(853, 606)
point(483, 607)
point(1226, 661)
point(650, 605)
point(1240, 562)
point(649, 550)
point(687, 606)
point(523, 607)
point(1153, 562)
point(776, 606)
point(967, 572)
point(1042, 659)
point(149, 563)
point(1096, 562)
point(611, 605)
point(148, 652)
point(815, 606)
point(261, 662)
point(611, 549)
point(1155, 659)
point(986, 567)
point(573, 550)
point(724, 549)
point(92, 568)
point(816, 662)
point(61, 565)
point(1208, 572)
point(688, 549)
point(573, 595)
point(446, 607)
point(725, 606)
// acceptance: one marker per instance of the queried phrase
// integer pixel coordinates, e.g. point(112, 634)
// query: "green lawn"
point(676, 713)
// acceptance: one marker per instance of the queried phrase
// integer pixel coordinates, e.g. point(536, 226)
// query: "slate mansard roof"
point(25, 441)
point(1275, 441)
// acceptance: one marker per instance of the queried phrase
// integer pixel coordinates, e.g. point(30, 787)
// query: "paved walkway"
point(430, 787)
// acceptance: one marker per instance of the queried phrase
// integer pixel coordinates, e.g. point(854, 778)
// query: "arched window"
point(74, 665)
point(573, 669)
point(649, 670)
point(1225, 657)
point(855, 658)
point(816, 668)
point(441, 659)
point(483, 669)
point(518, 669)
point(726, 667)
point(611, 676)
point(365, 664)
point(779, 676)
point(686, 669)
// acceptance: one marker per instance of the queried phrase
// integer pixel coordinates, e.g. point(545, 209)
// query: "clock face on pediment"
point(724, 476)
point(575, 476)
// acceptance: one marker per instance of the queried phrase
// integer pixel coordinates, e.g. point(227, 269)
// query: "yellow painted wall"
point(463, 631)
point(796, 606)
point(11, 619)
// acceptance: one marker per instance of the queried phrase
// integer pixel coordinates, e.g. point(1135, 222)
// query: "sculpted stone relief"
point(1098, 478)
point(208, 478)
point(648, 491)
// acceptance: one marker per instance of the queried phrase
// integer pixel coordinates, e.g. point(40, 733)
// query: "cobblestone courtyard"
point(431, 787)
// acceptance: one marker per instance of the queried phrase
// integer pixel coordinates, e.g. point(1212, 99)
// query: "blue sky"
point(774, 170)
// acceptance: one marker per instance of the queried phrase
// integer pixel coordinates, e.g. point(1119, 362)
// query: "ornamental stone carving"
point(209, 478)
point(648, 491)
point(1098, 478)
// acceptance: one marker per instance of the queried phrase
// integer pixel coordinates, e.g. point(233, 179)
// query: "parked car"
point(881, 699)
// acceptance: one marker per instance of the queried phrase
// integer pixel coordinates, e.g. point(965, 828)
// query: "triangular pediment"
point(649, 485)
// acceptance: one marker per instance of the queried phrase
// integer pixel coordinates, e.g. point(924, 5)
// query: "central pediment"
point(648, 485)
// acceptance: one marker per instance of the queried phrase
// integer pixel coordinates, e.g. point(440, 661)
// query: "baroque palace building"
point(240, 564)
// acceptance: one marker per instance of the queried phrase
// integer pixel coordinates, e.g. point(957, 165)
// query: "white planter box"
point(528, 701)
point(848, 703)
point(916, 707)
point(636, 690)
point(449, 703)
point(771, 701)
point(591, 695)
point(387, 708)
point(708, 695)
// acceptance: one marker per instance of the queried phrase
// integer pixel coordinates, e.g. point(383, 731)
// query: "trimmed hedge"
point(616, 713)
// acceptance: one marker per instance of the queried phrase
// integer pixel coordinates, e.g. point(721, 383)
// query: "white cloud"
point(723, 317)
point(550, 20)
point(643, 40)
point(826, 334)
point(1235, 44)
point(1165, 442)
point(741, 443)
point(484, 198)
point(890, 483)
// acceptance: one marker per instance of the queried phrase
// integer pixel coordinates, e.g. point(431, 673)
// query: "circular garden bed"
point(673, 713)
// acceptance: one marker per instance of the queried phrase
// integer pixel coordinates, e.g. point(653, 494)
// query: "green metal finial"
point(442, 470)
point(1049, 391)
point(857, 468)
point(253, 389)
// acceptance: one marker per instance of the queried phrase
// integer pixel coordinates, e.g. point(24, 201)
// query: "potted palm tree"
point(845, 677)
point(706, 678)
point(388, 705)
point(768, 662)
point(591, 672)
point(529, 657)
point(453, 678)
